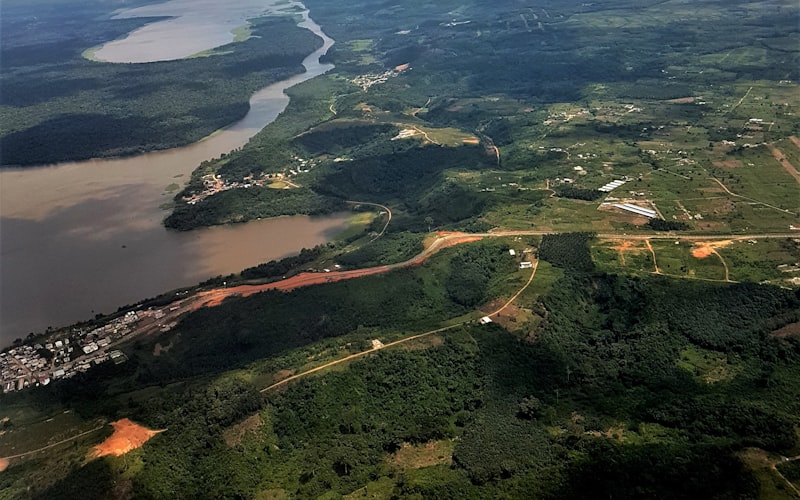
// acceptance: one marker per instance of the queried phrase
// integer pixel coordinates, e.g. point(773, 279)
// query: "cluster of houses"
point(213, 184)
point(368, 80)
point(38, 364)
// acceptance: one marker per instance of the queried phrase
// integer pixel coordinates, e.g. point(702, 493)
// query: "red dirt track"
point(215, 297)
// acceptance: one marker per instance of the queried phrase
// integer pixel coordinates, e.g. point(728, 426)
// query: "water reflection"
point(193, 26)
point(81, 237)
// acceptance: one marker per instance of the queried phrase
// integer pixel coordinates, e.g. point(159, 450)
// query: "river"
point(81, 238)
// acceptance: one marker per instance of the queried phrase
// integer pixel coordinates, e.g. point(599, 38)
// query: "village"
point(215, 183)
point(369, 79)
point(68, 353)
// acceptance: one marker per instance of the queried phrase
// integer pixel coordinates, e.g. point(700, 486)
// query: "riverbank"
point(91, 231)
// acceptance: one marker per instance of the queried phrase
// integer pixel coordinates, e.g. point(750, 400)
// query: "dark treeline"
point(242, 205)
point(335, 140)
point(388, 249)
point(537, 419)
point(279, 268)
point(400, 174)
point(568, 250)
point(110, 109)
point(668, 225)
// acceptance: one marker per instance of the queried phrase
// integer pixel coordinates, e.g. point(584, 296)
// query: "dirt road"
point(785, 163)
point(723, 186)
point(63, 441)
point(214, 297)
point(401, 341)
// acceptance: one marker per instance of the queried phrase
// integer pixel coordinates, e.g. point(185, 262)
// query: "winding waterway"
point(86, 237)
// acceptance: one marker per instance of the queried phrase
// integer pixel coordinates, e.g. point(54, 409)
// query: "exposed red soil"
point(790, 330)
point(127, 436)
point(215, 297)
point(702, 252)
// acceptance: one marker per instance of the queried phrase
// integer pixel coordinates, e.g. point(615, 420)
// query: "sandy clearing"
point(705, 249)
point(790, 330)
point(702, 252)
point(3, 464)
point(127, 436)
point(410, 457)
point(622, 246)
point(681, 100)
point(158, 348)
point(233, 436)
point(728, 164)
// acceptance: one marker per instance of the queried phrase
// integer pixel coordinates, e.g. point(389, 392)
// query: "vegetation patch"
point(139, 107)
point(422, 455)
point(234, 435)
point(708, 366)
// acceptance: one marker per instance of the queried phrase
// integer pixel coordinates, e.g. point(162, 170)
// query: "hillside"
point(573, 273)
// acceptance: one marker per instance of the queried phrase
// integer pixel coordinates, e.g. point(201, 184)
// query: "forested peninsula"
point(59, 106)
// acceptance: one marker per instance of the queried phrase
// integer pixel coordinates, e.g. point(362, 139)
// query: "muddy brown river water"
point(86, 237)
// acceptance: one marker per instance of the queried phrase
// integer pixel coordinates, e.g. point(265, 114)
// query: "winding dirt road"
point(401, 341)
point(215, 297)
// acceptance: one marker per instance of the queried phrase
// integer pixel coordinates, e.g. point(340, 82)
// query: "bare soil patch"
point(702, 252)
point(234, 435)
point(703, 249)
point(158, 348)
point(617, 433)
point(790, 330)
point(681, 100)
point(282, 374)
point(3, 464)
point(423, 343)
point(492, 306)
point(513, 316)
point(423, 455)
point(627, 246)
point(127, 436)
point(728, 164)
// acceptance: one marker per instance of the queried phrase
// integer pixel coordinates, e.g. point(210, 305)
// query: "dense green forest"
point(248, 204)
point(592, 384)
point(603, 403)
point(509, 74)
point(106, 109)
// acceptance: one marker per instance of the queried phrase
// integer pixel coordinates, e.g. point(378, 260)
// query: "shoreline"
point(126, 195)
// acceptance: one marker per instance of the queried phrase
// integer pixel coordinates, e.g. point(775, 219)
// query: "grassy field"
point(708, 367)
point(630, 257)
point(759, 261)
